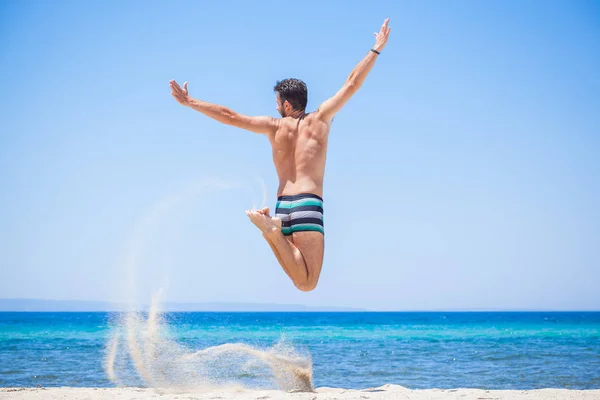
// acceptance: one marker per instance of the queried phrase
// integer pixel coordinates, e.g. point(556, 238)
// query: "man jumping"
point(299, 143)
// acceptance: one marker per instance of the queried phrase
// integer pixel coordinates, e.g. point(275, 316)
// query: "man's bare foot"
point(264, 222)
point(264, 211)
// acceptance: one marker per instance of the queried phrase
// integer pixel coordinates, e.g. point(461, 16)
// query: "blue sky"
point(463, 175)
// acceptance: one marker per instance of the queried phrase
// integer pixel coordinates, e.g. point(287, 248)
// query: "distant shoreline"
point(41, 305)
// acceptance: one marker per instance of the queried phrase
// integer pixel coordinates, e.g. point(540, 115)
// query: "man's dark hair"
point(294, 91)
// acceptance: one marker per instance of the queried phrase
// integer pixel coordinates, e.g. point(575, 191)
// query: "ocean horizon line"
point(62, 305)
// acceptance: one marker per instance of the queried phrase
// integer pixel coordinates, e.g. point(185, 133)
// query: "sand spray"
point(142, 350)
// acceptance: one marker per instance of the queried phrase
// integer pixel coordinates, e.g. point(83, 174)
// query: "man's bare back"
point(299, 153)
point(299, 143)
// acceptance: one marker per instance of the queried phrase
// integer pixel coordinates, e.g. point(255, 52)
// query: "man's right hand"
point(381, 38)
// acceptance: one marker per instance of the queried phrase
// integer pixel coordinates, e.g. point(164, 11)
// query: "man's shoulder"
point(292, 123)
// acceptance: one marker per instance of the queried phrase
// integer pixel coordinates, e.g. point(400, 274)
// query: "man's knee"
point(307, 285)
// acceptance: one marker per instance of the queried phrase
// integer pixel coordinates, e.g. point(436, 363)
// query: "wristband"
point(375, 51)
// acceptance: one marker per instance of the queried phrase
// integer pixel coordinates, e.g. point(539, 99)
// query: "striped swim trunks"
point(300, 213)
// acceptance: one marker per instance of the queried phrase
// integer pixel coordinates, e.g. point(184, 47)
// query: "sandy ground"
point(383, 392)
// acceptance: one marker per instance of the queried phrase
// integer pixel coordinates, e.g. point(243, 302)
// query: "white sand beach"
point(383, 392)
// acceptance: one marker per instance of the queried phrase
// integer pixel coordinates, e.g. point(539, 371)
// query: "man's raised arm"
point(331, 106)
point(262, 124)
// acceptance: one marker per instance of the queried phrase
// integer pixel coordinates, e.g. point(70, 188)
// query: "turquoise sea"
point(498, 350)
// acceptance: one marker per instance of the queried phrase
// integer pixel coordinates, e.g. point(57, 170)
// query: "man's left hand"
point(181, 95)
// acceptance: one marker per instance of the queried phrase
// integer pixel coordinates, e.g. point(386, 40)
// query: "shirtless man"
point(299, 142)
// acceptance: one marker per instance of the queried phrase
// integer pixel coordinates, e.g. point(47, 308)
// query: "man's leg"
point(302, 262)
point(277, 222)
point(298, 257)
point(312, 246)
